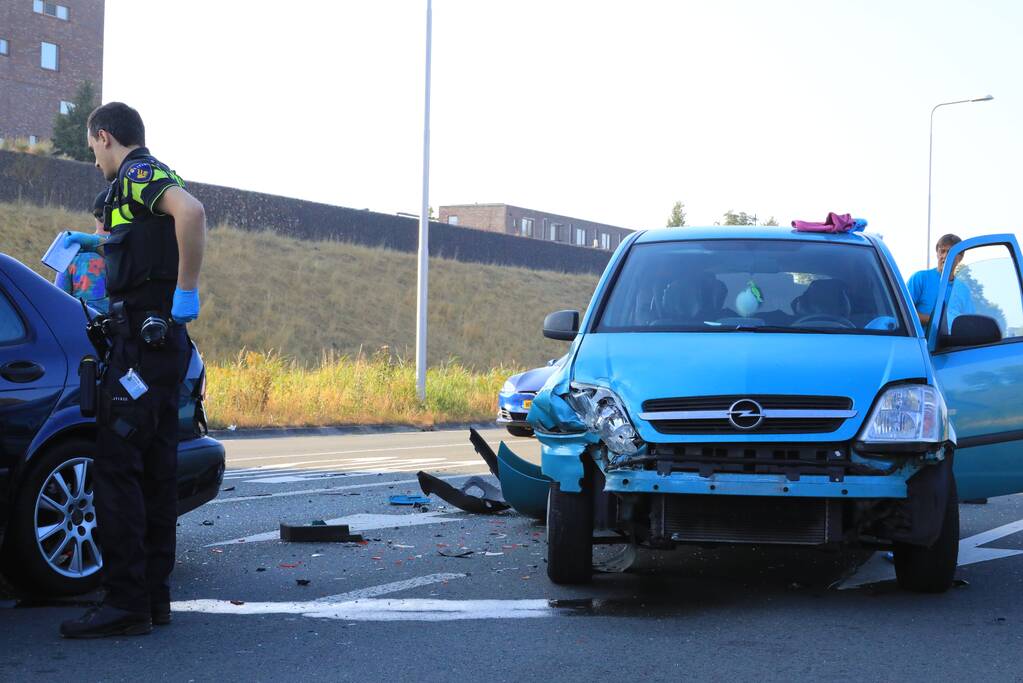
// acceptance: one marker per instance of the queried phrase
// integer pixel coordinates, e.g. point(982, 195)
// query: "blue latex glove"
point(86, 240)
point(185, 308)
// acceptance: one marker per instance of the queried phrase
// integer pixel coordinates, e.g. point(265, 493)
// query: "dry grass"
point(263, 390)
point(311, 310)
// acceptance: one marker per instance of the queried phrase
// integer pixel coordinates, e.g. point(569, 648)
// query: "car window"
point(769, 285)
point(12, 329)
point(987, 283)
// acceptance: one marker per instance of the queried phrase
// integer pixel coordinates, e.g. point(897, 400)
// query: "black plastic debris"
point(318, 533)
point(302, 582)
point(484, 450)
point(488, 502)
point(229, 488)
point(464, 553)
point(207, 522)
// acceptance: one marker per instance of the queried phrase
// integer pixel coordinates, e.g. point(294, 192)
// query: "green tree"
point(739, 218)
point(677, 219)
point(69, 129)
point(743, 218)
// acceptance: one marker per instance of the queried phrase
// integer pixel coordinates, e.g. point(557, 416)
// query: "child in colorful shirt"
point(85, 278)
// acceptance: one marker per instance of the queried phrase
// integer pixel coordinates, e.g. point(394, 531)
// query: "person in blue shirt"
point(923, 286)
point(86, 277)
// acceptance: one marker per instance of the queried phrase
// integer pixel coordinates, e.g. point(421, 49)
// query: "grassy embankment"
point(311, 333)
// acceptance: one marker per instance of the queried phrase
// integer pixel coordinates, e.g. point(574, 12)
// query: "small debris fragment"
point(216, 550)
point(302, 582)
point(288, 565)
point(207, 522)
point(229, 488)
point(237, 602)
point(260, 569)
point(408, 500)
point(456, 553)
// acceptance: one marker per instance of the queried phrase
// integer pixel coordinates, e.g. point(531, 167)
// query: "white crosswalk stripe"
point(348, 468)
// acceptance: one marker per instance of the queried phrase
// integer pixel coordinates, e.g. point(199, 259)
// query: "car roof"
point(759, 232)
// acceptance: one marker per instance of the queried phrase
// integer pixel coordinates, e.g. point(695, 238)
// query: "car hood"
point(531, 380)
point(642, 366)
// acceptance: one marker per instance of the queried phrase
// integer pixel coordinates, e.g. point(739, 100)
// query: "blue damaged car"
point(766, 386)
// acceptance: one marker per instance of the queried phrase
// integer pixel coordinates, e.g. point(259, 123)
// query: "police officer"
point(153, 256)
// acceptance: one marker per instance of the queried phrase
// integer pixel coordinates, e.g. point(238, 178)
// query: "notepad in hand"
point(58, 256)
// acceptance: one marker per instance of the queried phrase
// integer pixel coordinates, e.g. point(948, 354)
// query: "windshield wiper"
point(779, 328)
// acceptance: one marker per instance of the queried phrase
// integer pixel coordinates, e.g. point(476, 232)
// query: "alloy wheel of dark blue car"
point(65, 520)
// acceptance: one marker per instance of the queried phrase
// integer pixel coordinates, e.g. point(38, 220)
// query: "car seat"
point(823, 297)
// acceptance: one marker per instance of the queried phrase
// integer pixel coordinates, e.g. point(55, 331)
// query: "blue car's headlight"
point(507, 388)
point(910, 413)
point(603, 413)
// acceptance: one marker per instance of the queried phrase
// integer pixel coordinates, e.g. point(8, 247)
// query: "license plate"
point(527, 403)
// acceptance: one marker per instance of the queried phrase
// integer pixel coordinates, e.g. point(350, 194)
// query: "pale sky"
point(608, 111)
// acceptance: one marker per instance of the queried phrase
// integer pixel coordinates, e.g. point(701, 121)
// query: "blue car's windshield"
point(756, 285)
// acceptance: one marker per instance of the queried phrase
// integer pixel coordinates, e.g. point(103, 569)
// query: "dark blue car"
point(516, 397)
point(47, 511)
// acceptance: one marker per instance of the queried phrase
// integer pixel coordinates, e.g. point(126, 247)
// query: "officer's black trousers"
point(136, 471)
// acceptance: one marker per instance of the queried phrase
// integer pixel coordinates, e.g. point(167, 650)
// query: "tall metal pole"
point(930, 161)
point(422, 284)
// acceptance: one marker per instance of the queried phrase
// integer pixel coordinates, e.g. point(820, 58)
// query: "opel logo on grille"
point(746, 414)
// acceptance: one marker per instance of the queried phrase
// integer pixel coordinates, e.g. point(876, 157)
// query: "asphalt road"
point(397, 609)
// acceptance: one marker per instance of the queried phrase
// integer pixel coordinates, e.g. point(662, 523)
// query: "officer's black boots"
point(104, 620)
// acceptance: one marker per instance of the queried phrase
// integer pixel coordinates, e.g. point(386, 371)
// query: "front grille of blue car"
point(770, 425)
point(791, 460)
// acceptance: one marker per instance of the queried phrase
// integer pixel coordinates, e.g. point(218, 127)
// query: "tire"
point(931, 570)
point(41, 553)
point(569, 536)
point(520, 431)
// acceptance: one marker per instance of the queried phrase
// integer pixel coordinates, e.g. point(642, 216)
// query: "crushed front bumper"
point(807, 486)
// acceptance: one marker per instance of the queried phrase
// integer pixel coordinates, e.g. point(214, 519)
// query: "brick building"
point(514, 220)
point(47, 50)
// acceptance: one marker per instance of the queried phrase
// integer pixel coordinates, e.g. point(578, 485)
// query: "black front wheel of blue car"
point(569, 536)
point(932, 569)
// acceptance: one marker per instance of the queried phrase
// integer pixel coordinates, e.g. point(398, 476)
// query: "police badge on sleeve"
point(140, 172)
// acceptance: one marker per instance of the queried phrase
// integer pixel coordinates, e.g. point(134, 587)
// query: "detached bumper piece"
point(740, 519)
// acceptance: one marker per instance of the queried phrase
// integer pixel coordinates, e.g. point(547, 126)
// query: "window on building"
point(32, 139)
point(4, 47)
point(555, 229)
point(50, 9)
point(580, 236)
point(605, 240)
point(49, 56)
point(66, 107)
point(452, 220)
point(526, 227)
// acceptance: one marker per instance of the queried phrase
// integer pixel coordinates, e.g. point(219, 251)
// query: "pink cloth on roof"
point(834, 223)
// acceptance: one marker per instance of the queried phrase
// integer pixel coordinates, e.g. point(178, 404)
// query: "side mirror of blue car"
point(561, 325)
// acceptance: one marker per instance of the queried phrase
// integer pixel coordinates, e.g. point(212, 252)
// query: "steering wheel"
point(835, 320)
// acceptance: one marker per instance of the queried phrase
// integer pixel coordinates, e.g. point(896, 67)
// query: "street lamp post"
point(930, 160)
point(422, 286)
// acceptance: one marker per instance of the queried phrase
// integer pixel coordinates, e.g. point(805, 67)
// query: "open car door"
point(976, 343)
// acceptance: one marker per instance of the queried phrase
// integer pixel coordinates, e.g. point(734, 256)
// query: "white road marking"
point(382, 609)
point(331, 489)
point(359, 522)
point(878, 569)
point(351, 452)
point(393, 587)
